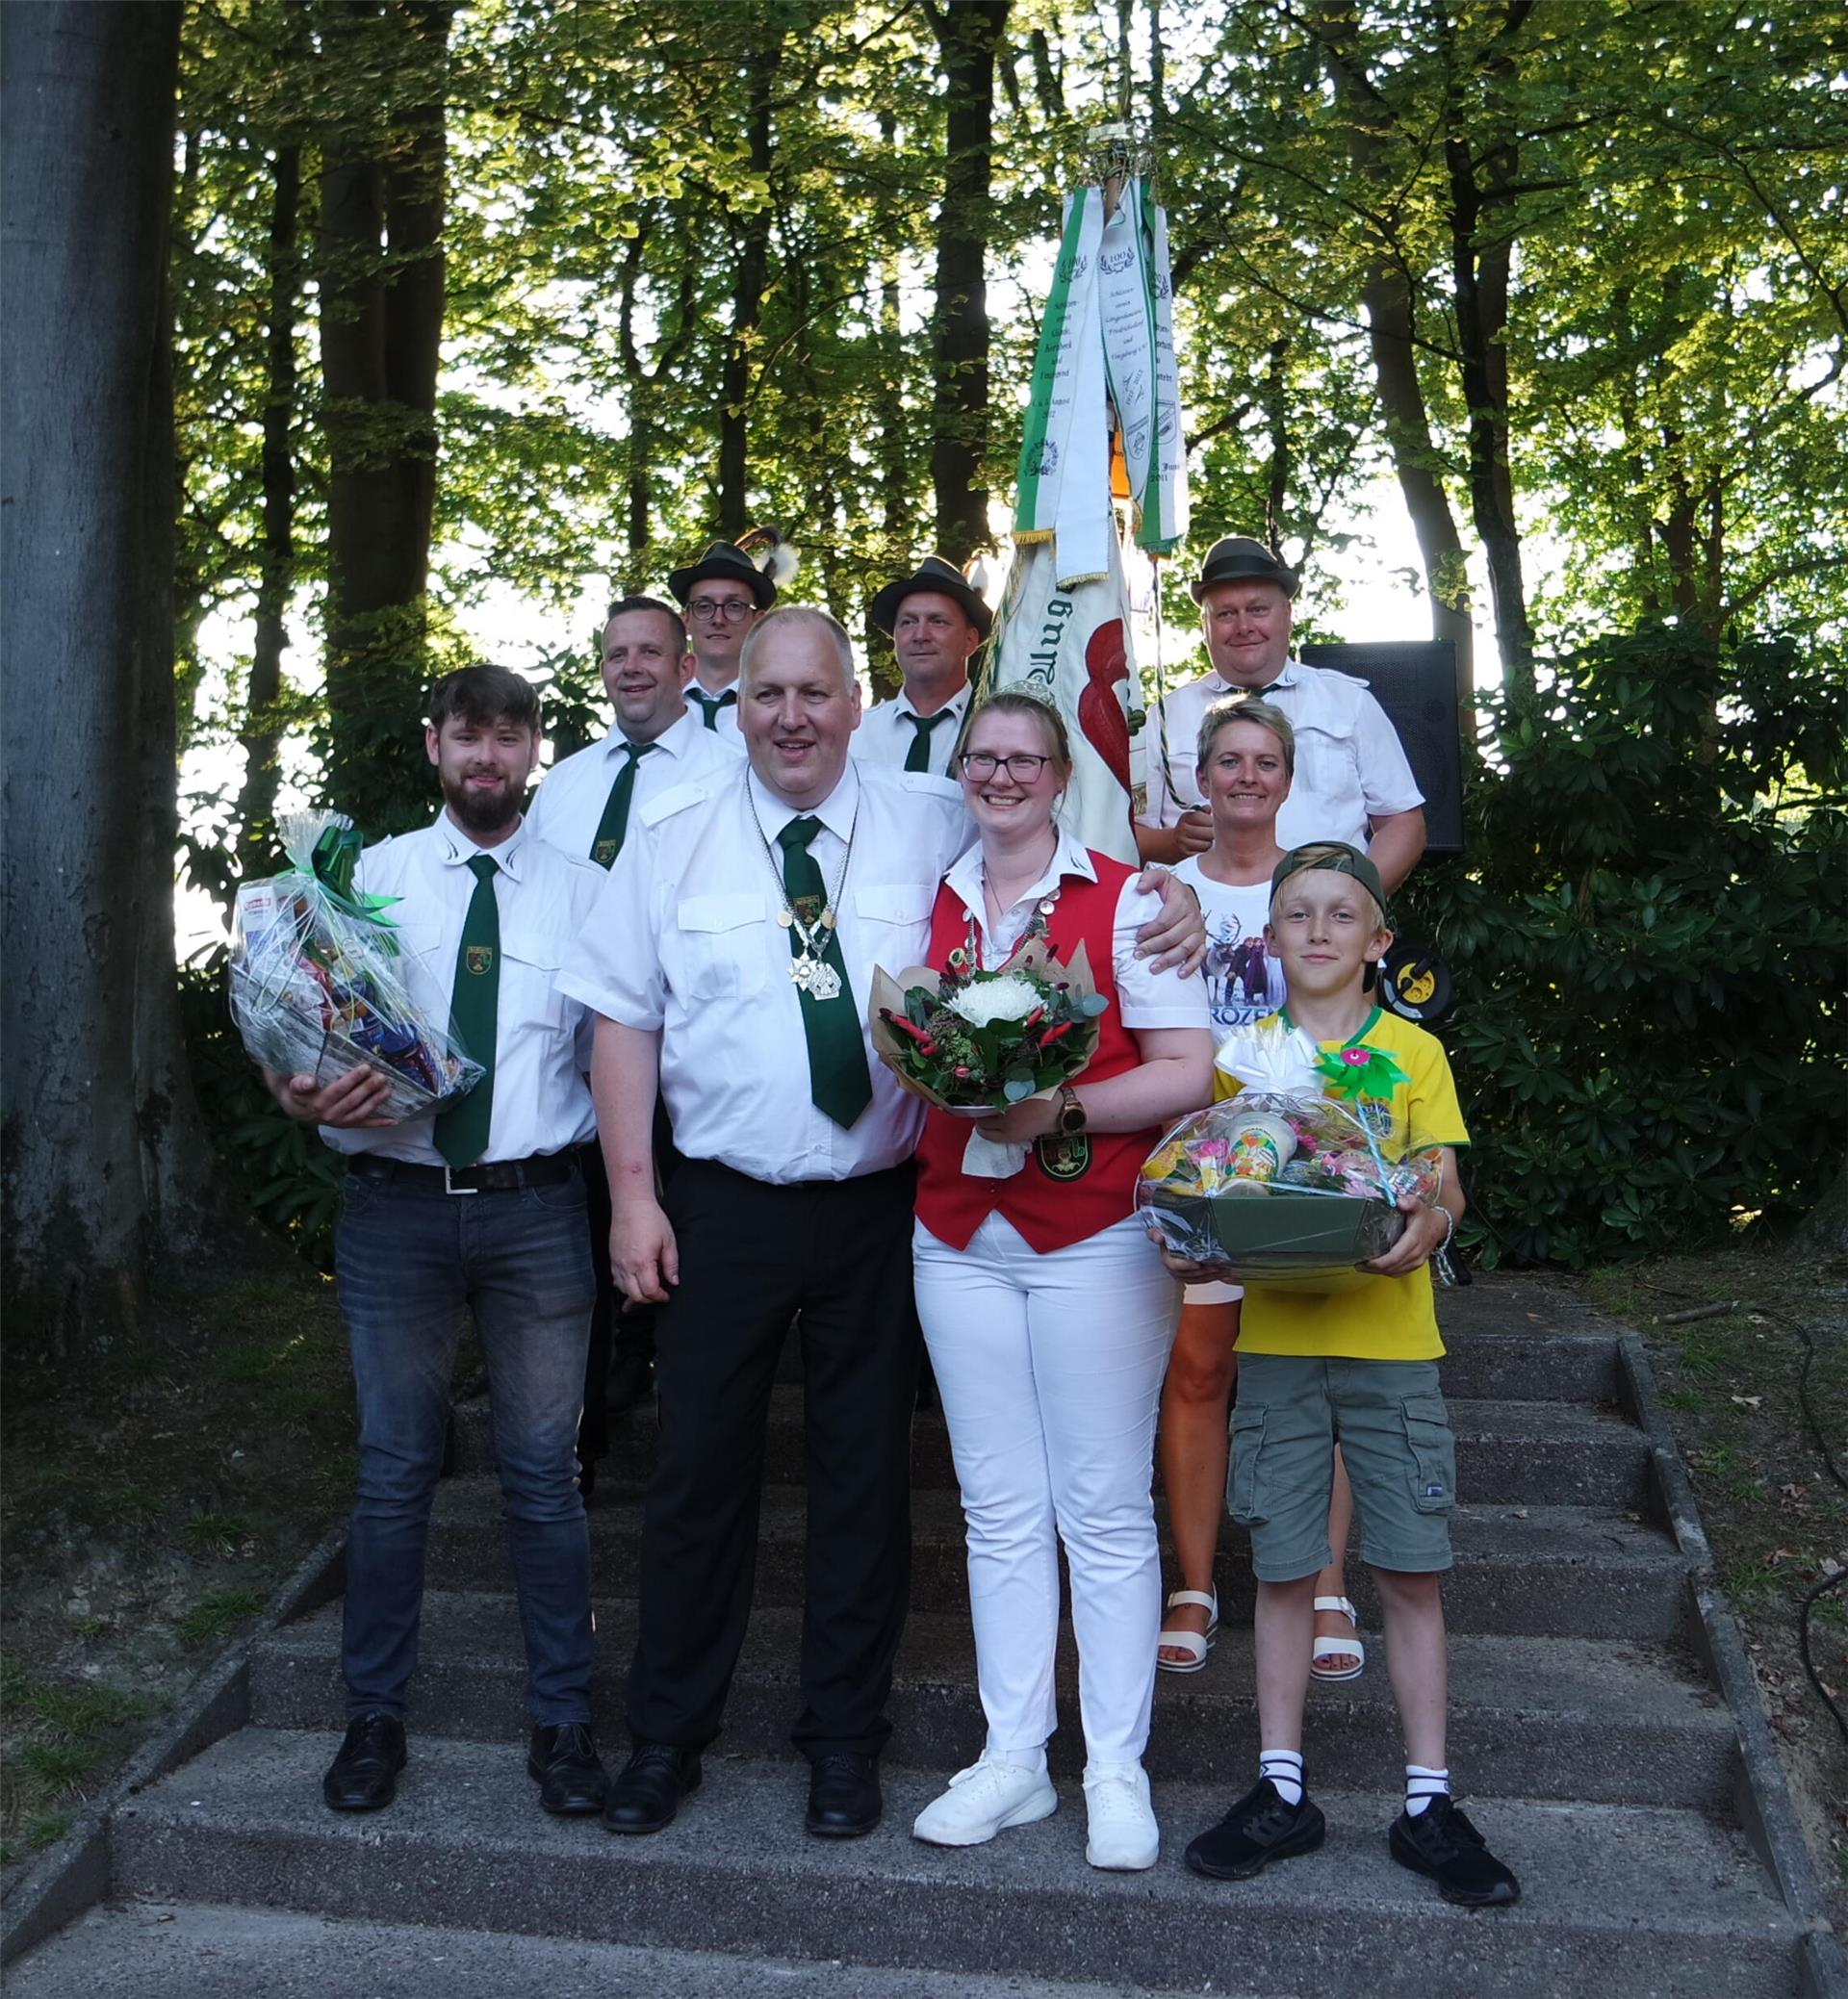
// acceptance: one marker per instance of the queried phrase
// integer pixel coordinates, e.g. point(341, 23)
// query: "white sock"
point(1284, 1768)
point(1422, 1785)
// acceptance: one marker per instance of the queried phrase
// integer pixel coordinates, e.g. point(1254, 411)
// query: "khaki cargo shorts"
point(1394, 1436)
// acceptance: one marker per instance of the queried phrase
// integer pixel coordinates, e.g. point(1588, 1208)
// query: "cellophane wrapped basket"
point(317, 987)
point(1284, 1183)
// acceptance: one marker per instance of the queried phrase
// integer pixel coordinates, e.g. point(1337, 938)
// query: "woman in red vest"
point(1047, 1310)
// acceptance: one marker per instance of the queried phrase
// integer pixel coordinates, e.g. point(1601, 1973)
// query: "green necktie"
point(839, 1081)
point(918, 756)
point(613, 827)
point(462, 1130)
point(711, 704)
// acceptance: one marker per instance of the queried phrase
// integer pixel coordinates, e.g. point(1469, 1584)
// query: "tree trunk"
point(261, 733)
point(762, 58)
point(381, 327)
point(1277, 490)
point(1392, 326)
point(968, 33)
point(106, 1166)
point(1481, 257)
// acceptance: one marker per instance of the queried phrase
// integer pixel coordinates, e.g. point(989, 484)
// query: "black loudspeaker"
point(1415, 682)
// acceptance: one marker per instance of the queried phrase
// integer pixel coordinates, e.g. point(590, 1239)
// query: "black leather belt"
point(491, 1176)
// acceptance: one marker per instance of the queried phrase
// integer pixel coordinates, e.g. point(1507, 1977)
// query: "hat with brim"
point(1239, 559)
point(942, 579)
point(724, 562)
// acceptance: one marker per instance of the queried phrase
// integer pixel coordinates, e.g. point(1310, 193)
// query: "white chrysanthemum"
point(988, 1000)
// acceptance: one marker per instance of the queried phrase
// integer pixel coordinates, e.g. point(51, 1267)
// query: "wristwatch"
point(1071, 1112)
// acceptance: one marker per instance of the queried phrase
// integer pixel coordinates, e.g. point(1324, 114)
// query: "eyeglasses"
point(720, 610)
point(1022, 766)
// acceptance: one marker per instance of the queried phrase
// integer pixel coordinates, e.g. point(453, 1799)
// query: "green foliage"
point(1648, 936)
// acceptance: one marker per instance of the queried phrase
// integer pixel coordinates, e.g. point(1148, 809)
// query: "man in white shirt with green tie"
point(723, 594)
point(936, 622)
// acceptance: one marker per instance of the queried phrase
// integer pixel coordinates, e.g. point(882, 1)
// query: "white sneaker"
point(985, 1798)
point(1123, 1834)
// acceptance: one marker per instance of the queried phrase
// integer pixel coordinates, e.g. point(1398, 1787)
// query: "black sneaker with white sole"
point(1259, 1828)
point(1442, 1843)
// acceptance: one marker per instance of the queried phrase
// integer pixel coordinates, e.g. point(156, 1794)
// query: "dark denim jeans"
point(411, 1257)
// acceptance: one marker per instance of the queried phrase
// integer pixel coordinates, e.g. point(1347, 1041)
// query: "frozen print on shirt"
point(1244, 982)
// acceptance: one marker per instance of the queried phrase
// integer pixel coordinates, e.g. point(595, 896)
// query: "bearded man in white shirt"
point(1352, 781)
point(476, 1206)
point(935, 621)
point(584, 807)
point(729, 958)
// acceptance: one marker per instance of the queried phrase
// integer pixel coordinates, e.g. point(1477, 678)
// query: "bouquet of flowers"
point(1290, 1182)
point(315, 989)
point(974, 1043)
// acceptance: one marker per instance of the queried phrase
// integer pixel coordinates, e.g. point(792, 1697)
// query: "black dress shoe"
point(645, 1797)
point(364, 1774)
point(563, 1763)
point(843, 1796)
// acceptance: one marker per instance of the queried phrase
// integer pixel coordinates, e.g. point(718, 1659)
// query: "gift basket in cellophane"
point(316, 983)
point(1296, 1181)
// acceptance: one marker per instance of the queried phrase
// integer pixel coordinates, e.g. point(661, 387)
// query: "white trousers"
point(1050, 1370)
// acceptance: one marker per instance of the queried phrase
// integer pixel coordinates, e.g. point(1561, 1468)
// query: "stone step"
point(1543, 1718)
point(205, 1951)
point(1532, 1570)
point(1619, 1900)
point(1499, 1347)
point(1515, 1453)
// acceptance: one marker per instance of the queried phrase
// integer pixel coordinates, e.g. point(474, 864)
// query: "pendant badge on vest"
point(480, 960)
point(1063, 1158)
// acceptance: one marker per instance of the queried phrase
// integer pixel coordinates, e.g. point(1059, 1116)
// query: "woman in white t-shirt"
point(1246, 762)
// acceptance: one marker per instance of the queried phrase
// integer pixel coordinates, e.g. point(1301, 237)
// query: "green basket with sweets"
point(1297, 1180)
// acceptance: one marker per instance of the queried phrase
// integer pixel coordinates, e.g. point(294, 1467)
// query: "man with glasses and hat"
point(936, 620)
point(723, 594)
point(1352, 781)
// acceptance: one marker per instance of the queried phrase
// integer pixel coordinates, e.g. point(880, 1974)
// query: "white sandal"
point(1338, 1648)
point(1190, 1642)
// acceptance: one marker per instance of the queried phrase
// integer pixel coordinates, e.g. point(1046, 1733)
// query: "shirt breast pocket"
point(896, 918)
point(722, 945)
point(530, 997)
point(1327, 765)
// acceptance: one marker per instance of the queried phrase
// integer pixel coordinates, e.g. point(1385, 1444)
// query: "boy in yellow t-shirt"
point(1358, 1367)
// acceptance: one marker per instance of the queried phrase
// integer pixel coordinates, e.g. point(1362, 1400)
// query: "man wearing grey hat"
point(936, 620)
point(1352, 781)
point(723, 594)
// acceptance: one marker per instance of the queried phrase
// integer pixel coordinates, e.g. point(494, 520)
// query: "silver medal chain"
point(809, 970)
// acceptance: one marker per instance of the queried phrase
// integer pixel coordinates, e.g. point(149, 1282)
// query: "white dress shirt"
point(541, 1094)
point(885, 732)
point(1144, 997)
point(728, 728)
point(683, 938)
point(568, 806)
point(1351, 765)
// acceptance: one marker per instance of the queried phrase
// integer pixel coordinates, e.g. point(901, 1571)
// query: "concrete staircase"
point(1588, 1742)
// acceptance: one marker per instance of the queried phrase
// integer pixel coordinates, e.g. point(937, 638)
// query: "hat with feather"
point(759, 559)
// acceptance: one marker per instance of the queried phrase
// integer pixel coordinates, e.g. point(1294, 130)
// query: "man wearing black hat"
point(1352, 781)
point(724, 594)
point(936, 620)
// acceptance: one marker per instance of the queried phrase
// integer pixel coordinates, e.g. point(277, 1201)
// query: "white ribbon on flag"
point(1063, 491)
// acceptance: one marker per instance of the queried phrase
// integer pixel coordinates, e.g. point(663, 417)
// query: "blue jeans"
point(410, 1258)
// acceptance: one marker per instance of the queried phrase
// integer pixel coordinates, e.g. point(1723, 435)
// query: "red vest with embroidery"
point(1069, 1189)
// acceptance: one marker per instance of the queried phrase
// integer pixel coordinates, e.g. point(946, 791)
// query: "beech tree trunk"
point(1391, 326)
point(381, 327)
point(261, 735)
point(968, 33)
point(106, 1166)
point(763, 59)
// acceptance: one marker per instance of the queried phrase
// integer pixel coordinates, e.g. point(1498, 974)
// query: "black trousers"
point(752, 1257)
